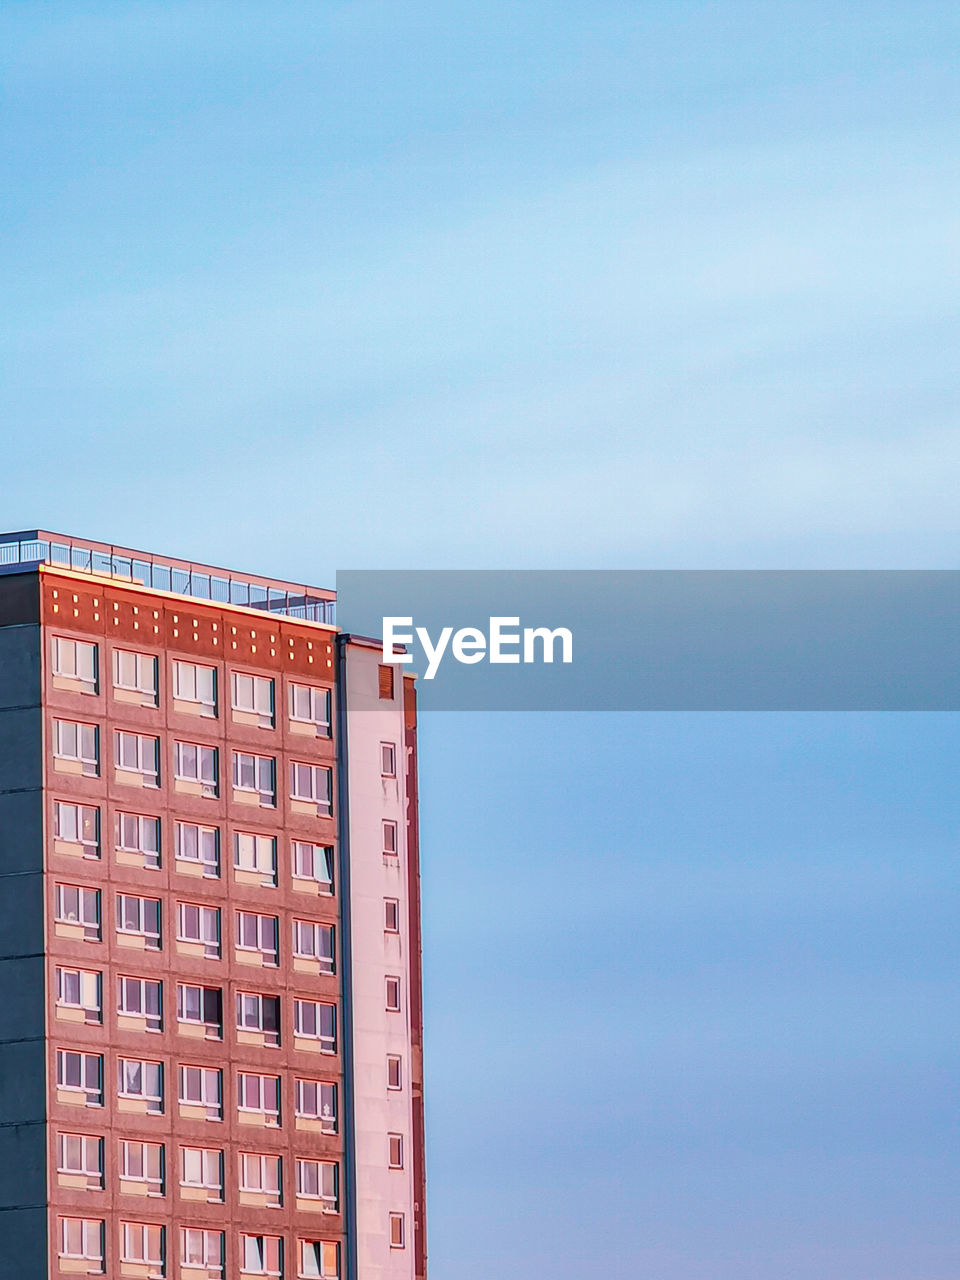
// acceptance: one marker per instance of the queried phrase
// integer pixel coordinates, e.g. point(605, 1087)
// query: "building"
point(210, 1033)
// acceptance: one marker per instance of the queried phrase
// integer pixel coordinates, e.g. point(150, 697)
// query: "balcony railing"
point(182, 577)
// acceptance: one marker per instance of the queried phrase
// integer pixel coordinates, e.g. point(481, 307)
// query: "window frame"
point(329, 1123)
point(85, 742)
point(209, 785)
point(206, 1075)
point(81, 817)
point(267, 791)
point(212, 946)
point(204, 1152)
point(266, 714)
point(158, 1182)
point(202, 830)
point(320, 854)
point(93, 1094)
point(93, 1012)
point(271, 1035)
point(152, 937)
point(86, 894)
point(154, 1100)
point(262, 1109)
point(149, 775)
point(85, 1168)
point(123, 821)
point(89, 682)
point(325, 1171)
point(213, 1026)
point(326, 960)
point(322, 718)
point(149, 690)
point(86, 1254)
point(328, 1042)
point(313, 796)
point(268, 878)
point(184, 667)
point(153, 1019)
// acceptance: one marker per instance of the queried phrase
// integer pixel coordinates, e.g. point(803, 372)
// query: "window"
point(258, 933)
point(319, 1260)
point(137, 834)
point(80, 989)
point(195, 684)
point(309, 705)
point(395, 1150)
point(83, 1238)
point(253, 696)
point(314, 942)
point(197, 765)
point(75, 661)
point(78, 824)
point(142, 1243)
point(388, 760)
point(391, 915)
point(202, 1167)
point(202, 1087)
point(202, 1248)
point(138, 753)
point(260, 1095)
point(260, 1175)
point(143, 999)
point(199, 927)
point(200, 847)
point(310, 784)
point(81, 1073)
point(256, 776)
point(261, 1255)
point(77, 747)
point(317, 1180)
point(80, 1155)
point(141, 917)
point(393, 995)
point(394, 1071)
point(79, 910)
point(201, 1007)
point(143, 1162)
point(141, 1081)
point(317, 1101)
point(314, 862)
point(136, 673)
point(259, 1014)
point(315, 1021)
point(389, 839)
point(396, 1231)
point(385, 681)
point(256, 856)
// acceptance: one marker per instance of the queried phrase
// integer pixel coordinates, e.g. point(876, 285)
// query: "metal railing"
point(182, 577)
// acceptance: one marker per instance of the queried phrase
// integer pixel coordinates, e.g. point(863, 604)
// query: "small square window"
point(388, 760)
point(385, 681)
point(394, 1071)
point(395, 1150)
point(390, 839)
point(396, 1231)
point(393, 995)
point(391, 915)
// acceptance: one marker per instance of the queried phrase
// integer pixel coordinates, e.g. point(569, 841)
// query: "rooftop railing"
point(182, 577)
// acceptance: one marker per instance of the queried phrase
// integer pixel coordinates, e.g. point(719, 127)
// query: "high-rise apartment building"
point(210, 1012)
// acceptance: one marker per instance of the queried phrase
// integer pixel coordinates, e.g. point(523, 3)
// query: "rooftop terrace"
point(164, 573)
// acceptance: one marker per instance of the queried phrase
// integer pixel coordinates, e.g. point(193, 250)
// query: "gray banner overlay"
point(670, 640)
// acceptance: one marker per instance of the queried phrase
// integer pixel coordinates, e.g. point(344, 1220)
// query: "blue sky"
point(300, 287)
